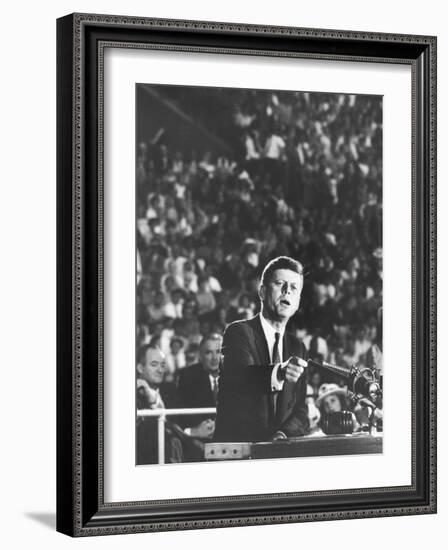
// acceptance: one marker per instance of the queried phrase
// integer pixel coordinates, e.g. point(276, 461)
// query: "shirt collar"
point(269, 330)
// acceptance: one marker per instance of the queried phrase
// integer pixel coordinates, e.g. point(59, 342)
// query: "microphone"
point(362, 382)
point(336, 423)
point(345, 372)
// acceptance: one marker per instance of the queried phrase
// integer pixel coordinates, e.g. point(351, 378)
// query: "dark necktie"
point(276, 352)
point(215, 389)
point(276, 359)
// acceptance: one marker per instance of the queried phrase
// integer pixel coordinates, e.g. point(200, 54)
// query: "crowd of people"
point(304, 181)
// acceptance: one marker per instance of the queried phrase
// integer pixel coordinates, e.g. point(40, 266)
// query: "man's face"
point(176, 297)
point(153, 368)
point(331, 404)
point(176, 346)
point(158, 299)
point(281, 294)
point(210, 354)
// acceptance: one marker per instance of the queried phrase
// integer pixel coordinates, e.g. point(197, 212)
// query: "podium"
point(309, 445)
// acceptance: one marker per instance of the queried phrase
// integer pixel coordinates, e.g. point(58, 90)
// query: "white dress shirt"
point(212, 380)
point(269, 334)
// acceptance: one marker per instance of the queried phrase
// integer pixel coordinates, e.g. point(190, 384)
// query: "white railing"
point(162, 414)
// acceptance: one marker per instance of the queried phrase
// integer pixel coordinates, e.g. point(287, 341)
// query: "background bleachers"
point(227, 180)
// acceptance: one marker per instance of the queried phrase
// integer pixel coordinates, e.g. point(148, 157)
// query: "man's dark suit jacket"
point(245, 400)
point(194, 391)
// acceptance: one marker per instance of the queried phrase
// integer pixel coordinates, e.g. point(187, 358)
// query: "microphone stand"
point(364, 388)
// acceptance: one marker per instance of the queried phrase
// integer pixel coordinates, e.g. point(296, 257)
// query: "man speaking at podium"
point(262, 386)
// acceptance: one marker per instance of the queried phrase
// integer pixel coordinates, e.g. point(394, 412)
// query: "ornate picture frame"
point(81, 506)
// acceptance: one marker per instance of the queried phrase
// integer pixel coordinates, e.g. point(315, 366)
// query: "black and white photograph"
point(259, 286)
point(220, 221)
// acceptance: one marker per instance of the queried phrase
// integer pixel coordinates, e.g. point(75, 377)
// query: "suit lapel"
point(260, 341)
point(264, 356)
point(286, 352)
point(285, 398)
point(206, 389)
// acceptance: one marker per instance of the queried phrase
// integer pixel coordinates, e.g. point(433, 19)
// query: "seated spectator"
point(213, 282)
point(145, 290)
point(175, 359)
point(313, 412)
point(315, 381)
point(332, 398)
point(205, 297)
point(157, 310)
point(152, 393)
point(190, 279)
point(361, 345)
point(246, 308)
point(251, 146)
point(190, 328)
point(168, 283)
point(192, 354)
point(177, 303)
point(274, 146)
point(317, 346)
point(198, 387)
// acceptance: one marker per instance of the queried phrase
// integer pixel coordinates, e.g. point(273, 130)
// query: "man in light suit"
point(262, 389)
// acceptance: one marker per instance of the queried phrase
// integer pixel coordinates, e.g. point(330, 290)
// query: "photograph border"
point(81, 40)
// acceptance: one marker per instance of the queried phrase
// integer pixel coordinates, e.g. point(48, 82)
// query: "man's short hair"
point(178, 340)
point(141, 353)
point(281, 262)
point(212, 337)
